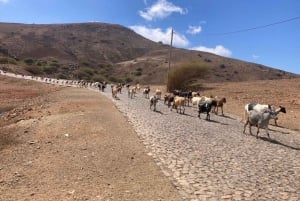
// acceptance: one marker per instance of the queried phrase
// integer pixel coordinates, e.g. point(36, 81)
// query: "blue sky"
point(260, 31)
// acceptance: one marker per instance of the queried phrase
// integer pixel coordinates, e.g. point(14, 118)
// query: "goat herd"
point(254, 115)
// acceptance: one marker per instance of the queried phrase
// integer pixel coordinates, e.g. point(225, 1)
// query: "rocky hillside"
point(97, 51)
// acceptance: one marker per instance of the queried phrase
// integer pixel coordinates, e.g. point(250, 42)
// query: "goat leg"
point(257, 131)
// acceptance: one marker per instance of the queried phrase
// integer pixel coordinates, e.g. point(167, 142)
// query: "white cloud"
point(194, 30)
point(158, 35)
point(161, 9)
point(218, 50)
point(255, 56)
point(4, 1)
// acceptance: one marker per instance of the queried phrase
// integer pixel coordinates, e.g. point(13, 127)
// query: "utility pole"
point(170, 56)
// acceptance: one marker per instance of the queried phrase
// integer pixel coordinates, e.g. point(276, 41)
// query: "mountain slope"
point(96, 51)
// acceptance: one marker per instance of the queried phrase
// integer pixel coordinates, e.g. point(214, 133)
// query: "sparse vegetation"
point(61, 76)
point(207, 60)
point(50, 69)
point(5, 60)
point(35, 70)
point(87, 70)
point(29, 61)
point(222, 66)
point(182, 76)
point(138, 72)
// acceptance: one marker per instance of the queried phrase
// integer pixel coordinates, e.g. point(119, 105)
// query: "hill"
point(97, 51)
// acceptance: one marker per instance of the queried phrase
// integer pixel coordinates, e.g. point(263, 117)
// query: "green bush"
point(29, 61)
point(61, 76)
point(182, 76)
point(3, 60)
point(137, 73)
point(128, 79)
point(86, 70)
point(97, 78)
point(50, 69)
point(81, 75)
point(54, 64)
point(35, 70)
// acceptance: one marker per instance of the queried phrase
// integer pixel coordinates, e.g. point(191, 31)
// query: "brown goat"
point(220, 103)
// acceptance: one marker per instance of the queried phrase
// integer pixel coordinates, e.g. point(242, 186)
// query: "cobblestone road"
point(213, 160)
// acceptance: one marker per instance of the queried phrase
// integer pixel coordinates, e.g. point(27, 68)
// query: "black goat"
point(206, 108)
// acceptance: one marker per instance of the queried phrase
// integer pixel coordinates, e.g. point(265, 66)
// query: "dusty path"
point(73, 144)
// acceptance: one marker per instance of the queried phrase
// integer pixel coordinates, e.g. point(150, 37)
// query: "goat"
point(114, 91)
point(158, 93)
point(195, 94)
point(146, 92)
point(220, 103)
point(179, 103)
point(153, 101)
point(186, 94)
point(262, 108)
point(138, 88)
point(260, 120)
point(197, 100)
point(131, 92)
point(167, 97)
point(205, 107)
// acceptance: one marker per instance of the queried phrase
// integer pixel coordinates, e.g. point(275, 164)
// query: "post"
point(170, 56)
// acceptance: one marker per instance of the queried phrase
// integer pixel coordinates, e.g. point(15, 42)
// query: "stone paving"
point(214, 160)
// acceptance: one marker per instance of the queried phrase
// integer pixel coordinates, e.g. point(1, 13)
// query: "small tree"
point(181, 77)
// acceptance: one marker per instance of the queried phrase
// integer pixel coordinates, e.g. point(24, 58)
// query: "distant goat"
point(146, 92)
point(132, 92)
point(153, 102)
point(158, 93)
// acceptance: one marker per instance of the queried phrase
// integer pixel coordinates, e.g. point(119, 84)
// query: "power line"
point(257, 27)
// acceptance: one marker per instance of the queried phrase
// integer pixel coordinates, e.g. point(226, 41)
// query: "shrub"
point(128, 79)
point(61, 76)
point(29, 61)
point(87, 70)
point(222, 66)
point(81, 75)
point(3, 60)
point(50, 69)
point(55, 65)
point(35, 70)
point(137, 73)
point(98, 78)
point(182, 76)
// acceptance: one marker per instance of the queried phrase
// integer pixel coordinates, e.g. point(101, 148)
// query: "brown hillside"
point(97, 51)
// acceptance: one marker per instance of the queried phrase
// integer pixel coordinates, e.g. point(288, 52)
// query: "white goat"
point(259, 119)
point(200, 99)
point(262, 108)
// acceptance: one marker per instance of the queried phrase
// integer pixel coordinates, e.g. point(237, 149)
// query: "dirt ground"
point(63, 143)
